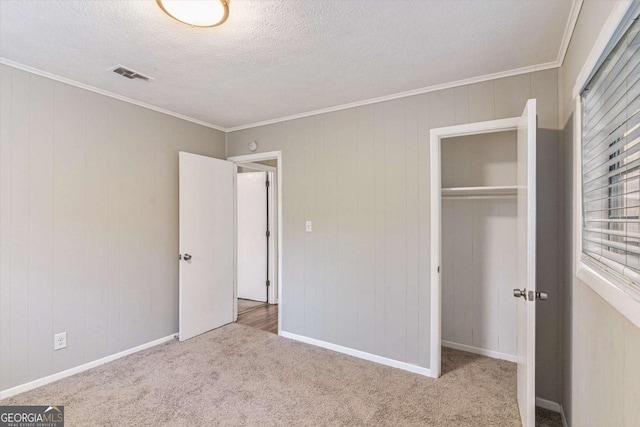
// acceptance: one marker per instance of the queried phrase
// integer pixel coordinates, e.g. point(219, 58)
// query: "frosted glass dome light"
point(197, 13)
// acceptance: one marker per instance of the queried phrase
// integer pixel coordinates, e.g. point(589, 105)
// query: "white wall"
point(361, 278)
point(88, 223)
point(602, 348)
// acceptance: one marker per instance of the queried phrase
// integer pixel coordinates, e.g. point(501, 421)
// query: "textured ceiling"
point(282, 57)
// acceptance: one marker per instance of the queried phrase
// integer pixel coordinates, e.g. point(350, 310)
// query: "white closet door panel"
point(526, 279)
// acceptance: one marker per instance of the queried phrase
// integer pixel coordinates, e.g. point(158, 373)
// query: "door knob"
point(186, 257)
point(542, 296)
point(517, 293)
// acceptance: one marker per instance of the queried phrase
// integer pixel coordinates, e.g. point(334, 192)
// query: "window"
point(611, 161)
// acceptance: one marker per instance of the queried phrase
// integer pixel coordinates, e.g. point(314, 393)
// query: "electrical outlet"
point(59, 341)
point(308, 226)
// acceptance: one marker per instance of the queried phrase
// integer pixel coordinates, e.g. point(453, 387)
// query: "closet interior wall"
point(479, 243)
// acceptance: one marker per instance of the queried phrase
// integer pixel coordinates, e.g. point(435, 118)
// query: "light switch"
point(308, 227)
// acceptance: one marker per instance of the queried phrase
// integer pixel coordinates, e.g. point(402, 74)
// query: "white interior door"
point(526, 265)
point(252, 238)
point(206, 244)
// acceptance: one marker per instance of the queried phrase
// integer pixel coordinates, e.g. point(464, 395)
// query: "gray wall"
point(602, 348)
point(88, 223)
point(361, 278)
point(566, 251)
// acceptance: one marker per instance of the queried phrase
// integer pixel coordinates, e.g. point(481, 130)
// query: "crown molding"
point(450, 85)
point(576, 6)
point(65, 80)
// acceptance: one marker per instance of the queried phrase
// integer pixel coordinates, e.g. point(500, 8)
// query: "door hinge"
point(268, 283)
point(267, 183)
point(268, 233)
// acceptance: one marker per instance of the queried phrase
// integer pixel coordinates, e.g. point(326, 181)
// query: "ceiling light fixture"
point(197, 13)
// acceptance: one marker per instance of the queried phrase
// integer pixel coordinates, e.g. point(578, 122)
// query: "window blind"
point(611, 160)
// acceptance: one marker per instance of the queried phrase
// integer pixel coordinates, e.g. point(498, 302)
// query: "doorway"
point(523, 188)
point(208, 247)
point(258, 210)
point(479, 245)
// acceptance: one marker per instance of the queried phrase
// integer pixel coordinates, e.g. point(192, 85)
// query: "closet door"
point(526, 265)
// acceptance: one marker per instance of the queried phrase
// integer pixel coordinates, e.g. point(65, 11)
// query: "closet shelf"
point(475, 192)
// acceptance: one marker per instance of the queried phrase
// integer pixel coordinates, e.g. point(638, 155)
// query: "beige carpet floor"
point(247, 304)
point(237, 376)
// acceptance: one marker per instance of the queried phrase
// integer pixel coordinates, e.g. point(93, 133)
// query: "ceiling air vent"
point(130, 74)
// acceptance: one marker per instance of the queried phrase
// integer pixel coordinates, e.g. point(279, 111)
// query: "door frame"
point(436, 136)
point(249, 159)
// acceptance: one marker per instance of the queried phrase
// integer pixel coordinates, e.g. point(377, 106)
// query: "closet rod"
point(488, 196)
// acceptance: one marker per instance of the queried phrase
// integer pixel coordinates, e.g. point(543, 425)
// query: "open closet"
point(483, 245)
point(479, 243)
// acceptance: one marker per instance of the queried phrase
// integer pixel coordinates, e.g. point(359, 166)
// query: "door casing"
point(527, 191)
point(437, 134)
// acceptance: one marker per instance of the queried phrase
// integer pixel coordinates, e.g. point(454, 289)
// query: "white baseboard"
point(60, 375)
point(359, 354)
point(552, 406)
point(480, 351)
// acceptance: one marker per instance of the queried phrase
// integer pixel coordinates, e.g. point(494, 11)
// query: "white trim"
point(477, 128)
point(576, 6)
point(577, 183)
point(436, 210)
point(359, 354)
point(65, 80)
point(235, 242)
point(4, 394)
point(480, 351)
point(436, 246)
point(606, 33)
point(457, 83)
point(601, 282)
point(256, 157)
point(553, 407)
point(610, 290)
point(548, 404)
point(260, 167)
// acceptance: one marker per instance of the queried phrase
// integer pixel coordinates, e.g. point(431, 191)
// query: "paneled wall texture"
point(88, 223)
point(601, 346)
point(361, 278)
